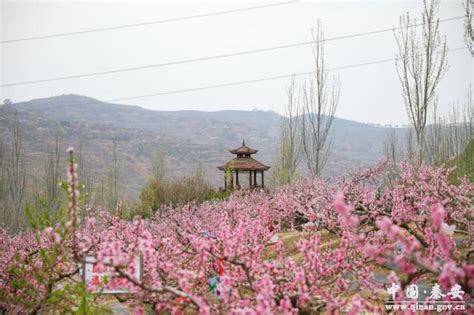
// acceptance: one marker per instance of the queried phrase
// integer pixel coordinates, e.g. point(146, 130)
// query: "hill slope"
point(186, 137)
point(464, 164)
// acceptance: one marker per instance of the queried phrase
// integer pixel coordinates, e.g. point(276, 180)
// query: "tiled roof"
point(243, 150)
point(244, 164)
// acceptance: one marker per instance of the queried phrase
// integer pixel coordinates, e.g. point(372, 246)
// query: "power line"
point(192, 60)
point(260, 79)
point(110, 28)
point(208, 87)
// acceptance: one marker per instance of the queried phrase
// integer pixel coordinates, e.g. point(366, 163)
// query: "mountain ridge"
point(187, 137)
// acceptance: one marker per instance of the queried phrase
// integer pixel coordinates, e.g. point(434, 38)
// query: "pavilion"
point(243, 163)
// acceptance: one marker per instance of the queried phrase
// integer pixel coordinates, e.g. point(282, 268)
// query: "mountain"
point(186, 137)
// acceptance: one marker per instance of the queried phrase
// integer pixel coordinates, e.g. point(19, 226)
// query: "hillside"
point(186, 137)
point(464, 164)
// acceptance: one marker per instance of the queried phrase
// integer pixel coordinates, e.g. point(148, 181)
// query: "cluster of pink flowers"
point(417, 224)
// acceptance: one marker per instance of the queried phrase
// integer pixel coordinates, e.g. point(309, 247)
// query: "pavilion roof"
point(244, 164)
point(243, 149)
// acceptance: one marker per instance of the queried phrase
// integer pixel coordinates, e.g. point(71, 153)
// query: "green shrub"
point(157, 194)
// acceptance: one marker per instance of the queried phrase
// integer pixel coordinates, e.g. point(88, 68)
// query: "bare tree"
point(392, 148)
point(101, 192)
point(289, 153)
point(158, 165)
point(113, 179)
point(320, 100)
point(53, 173)
point(468, 30)
point(447, 137)
point(460, 126)
point(16, 174)
point(410, 146)
point(108, 187)
point(83, 174)
point(3, 183)
point(421, 63)
point(437, 139)
point(468, 114)
point(200, 172)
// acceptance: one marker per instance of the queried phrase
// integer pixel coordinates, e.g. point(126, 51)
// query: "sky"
point(368, 93)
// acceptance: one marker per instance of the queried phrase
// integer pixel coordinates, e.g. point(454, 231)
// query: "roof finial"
point(243, 142)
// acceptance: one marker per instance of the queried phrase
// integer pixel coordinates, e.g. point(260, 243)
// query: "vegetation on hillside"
point(162, 194)
point(464, 164)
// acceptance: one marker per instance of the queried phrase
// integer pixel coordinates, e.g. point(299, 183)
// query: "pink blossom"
point(384, 223)
point(339, 204)
point(371, 250)
point(437, 215)
point(350, 233)
point(450, 275)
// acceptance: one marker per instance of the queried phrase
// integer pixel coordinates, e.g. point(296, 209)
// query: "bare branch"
point(320, 100)
point(289, 155)
point(421, 64)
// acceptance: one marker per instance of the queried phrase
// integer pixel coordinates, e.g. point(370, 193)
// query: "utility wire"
point(110, 28)
point(208, 87)
point(192, 60)
point(260, 79)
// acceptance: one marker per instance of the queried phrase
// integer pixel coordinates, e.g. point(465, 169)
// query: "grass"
point(464, 164)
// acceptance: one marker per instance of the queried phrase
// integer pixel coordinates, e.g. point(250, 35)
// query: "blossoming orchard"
point(150, 215)
point(317, 246)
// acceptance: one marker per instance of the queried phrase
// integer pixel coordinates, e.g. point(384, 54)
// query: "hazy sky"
point(369, 93)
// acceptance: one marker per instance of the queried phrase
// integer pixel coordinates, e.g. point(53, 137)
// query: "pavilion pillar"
point(237, 179)
point(255, 179)
point(232, 181)
point(225, 181)
point(263, 183)
point(250, 179)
